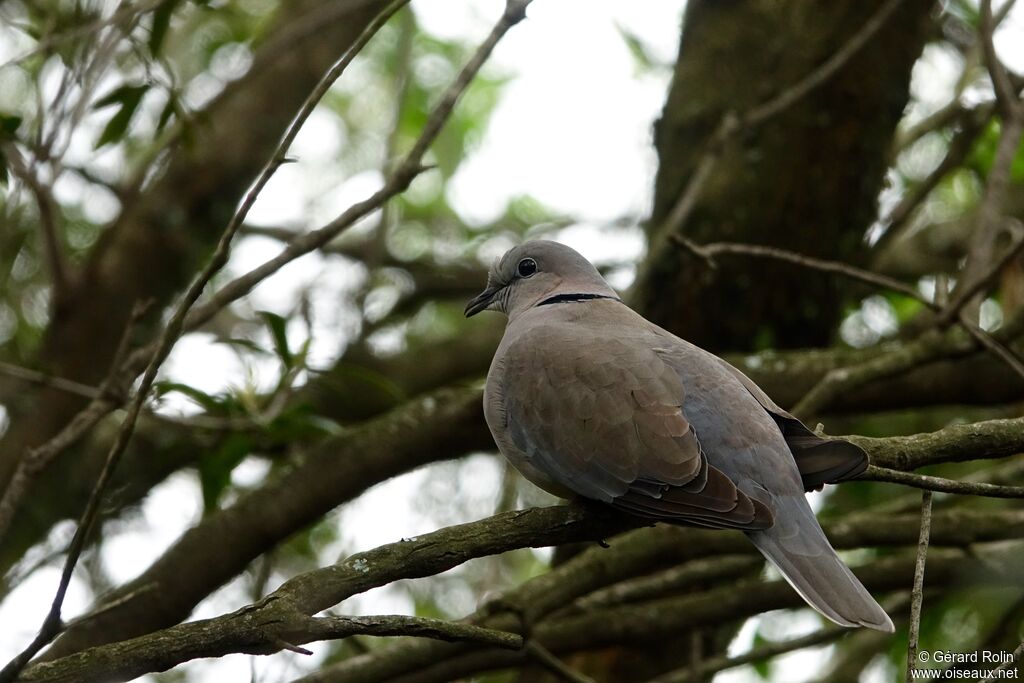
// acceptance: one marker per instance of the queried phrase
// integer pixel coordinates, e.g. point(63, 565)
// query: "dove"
point(586, 398)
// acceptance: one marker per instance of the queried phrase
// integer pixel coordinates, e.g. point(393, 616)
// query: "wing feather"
point(605, 420)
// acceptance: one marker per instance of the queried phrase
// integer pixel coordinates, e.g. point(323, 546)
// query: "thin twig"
point(1005, 95)
point(957, 150)
point(964, 294)
point(111, 393)
point(994, 674)
point(981, 255)
point(917, 594)
point(707, 252)
point(49, 215)
point(1001, 351)
point(924, 349)
point(126, 11)
point(941, 484)
point(545, 658)
point(954, 109)
point(323, 628)
point(715, 664)
point(47, 380)
point(396, 182)
point(687, 201)
point(53, 624)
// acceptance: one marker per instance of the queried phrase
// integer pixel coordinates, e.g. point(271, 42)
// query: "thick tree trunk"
point(806, 180)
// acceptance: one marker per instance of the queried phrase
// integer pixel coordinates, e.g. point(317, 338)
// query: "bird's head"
point(533, 272)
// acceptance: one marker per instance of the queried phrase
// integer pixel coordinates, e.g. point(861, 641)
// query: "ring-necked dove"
point(587, 398)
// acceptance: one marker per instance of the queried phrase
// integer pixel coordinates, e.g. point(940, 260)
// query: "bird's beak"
point(481, 301)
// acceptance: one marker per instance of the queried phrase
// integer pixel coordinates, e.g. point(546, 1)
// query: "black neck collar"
point(574, 297)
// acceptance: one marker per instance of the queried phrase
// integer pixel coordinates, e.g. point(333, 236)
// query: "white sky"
point(573, 129)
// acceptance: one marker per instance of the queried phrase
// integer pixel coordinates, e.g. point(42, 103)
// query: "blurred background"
point(129, 131)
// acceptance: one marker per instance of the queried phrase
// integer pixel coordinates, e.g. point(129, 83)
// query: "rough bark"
point(806, 180)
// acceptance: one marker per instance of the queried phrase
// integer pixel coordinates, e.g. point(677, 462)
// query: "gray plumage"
point(587, 398)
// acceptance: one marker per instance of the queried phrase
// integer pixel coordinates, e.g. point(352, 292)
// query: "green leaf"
point(119, 95)
point(215, 468)
point(277, 326)
point(169, 110)
point(9, 124)
point(642, 60)
point(247, 344)
point(128, 98)
point(211, 403)
point(161, 22)
point(298, 423)
point(984, 153)
point(761, 666)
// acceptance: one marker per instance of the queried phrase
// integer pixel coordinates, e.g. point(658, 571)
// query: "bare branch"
point(917, 594)
point(702, 670)
point(1001, 351)
point(959, 147)
point(957, 443)
point(981, 257)
point(397, 181)
point(49, 216)
point(707, 252)
point(109, 395)
point(633, 623)
point(442, 424)
point(928, 347)
point(285, 614)
point(1005, 94)
point(47, 380)
point(942, 485)
point(555, 665)
point(335, 627)
point(994, 674)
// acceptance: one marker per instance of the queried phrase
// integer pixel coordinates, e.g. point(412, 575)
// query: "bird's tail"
point(798, 548)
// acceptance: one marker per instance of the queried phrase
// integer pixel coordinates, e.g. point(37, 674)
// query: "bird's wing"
point(602, 416)
point(820, 460)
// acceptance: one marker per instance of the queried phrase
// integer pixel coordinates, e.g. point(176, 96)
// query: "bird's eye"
point(527, 267)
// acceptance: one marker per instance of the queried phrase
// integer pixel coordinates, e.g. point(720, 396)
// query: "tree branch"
point(923, 350)
point(397, 181)
point(49, 215)
point(443, 424)
point(917, 594)
point(284, 614)
point(940, 484)
point(640, 623)
point(956, 443)
point(702, 670)
point(258, 628)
